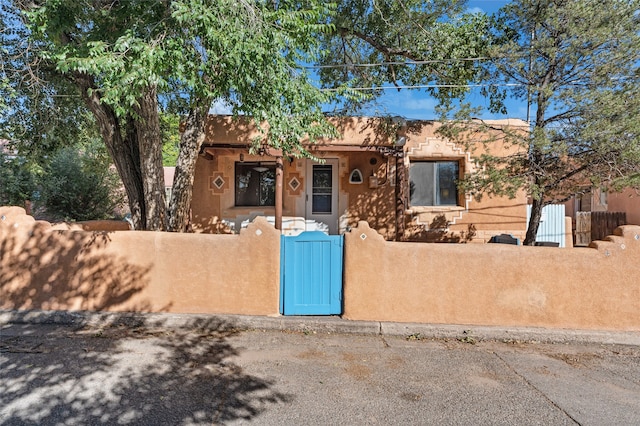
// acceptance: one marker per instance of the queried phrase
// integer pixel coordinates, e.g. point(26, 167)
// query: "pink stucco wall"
point(627, 201)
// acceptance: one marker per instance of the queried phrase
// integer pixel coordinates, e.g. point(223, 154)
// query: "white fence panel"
point(552, 226)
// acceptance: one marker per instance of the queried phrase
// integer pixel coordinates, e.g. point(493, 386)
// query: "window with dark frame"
point(433, 183)
point(322, 190)
point(255, 184)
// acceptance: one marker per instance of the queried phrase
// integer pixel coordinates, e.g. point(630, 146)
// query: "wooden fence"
point(591, 226)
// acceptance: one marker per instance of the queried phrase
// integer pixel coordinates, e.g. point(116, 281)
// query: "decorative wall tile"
point(219, 183)
point(295, 183)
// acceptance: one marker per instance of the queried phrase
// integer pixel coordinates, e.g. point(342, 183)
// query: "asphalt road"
point(57, 375)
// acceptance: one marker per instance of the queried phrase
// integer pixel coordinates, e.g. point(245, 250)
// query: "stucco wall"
point(42, 267)
point(472, 219)
point(627, 201)
point(494, 284)
point(45, 268)
point(360, 146)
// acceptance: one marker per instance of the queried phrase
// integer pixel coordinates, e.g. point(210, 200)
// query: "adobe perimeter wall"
point(494, 284)
point(47, 268)
point(43, 267)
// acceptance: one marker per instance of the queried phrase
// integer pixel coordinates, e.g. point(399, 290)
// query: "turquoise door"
point(311, 274)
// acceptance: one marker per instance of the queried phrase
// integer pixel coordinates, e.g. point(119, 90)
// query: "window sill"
point(240, 208)
point(433, 209)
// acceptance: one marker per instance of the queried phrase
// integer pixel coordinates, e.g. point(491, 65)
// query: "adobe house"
point(398, 176)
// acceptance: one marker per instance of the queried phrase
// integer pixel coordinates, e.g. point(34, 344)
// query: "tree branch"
point(383, 48)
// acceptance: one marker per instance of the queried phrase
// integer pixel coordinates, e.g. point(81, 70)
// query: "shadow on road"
point(119, 374)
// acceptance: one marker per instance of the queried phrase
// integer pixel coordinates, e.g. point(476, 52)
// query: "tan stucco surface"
point(474, 284)
point(494, 284)
point(627, 201)
point(360, 131)
point(43, 268)
point(365, 144)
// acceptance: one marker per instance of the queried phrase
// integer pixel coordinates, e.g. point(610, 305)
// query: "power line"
point(423, 86)
point(514, 55)
point(379, 64)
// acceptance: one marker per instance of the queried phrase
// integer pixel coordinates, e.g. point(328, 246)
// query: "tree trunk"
point(536, 158)
point(182, 192)
point(123, 150)
point(149, 141)
point(401, 195)
point(534, 222)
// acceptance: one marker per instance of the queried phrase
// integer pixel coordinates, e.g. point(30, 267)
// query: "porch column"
point(401, 185)
point(279, 186)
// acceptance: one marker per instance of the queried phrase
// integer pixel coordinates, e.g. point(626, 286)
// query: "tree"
point(78, 184)
point(18, 180)
point(410, 42)
point(72, 183)
point(577, 64)
point(40, 110)
point(123, 57)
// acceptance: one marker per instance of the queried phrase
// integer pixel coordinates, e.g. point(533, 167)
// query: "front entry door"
point(322, 193)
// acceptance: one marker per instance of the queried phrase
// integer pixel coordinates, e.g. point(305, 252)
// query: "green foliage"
point(78, 184)
point(436, 33)
point(250, 55)
point(75, 183)
point(9, 46)
point(40, 110)
point(577, 62)
point(18, 181)
point(170, 130)
point(247, 53)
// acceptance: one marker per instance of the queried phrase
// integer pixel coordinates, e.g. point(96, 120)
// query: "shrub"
point(78, 184)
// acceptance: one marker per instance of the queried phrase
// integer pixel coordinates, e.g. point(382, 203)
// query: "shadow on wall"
point(43, 268)
point(97, 376)
point(210, 225)
point(437, 232)
point(376, 207)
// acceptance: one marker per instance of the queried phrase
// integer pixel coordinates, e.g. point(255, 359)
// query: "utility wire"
point(515, 56)
point(379, 64)
point(423, 86)
point(369, 88)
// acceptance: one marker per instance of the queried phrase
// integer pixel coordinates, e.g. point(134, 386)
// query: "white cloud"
point(220, 107)
point(475, 10)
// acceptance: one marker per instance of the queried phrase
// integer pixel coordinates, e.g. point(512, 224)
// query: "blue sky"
point(417, 104)
point(487, 6)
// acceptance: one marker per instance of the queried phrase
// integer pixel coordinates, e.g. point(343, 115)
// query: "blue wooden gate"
point(311, 274)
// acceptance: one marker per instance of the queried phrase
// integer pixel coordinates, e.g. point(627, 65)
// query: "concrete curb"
point(510, 334)
point(328, 325)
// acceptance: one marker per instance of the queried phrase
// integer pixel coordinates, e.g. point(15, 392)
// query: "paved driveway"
point(52, 375)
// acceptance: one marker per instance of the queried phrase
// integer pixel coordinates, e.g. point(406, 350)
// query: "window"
point(322, 190)
point(255, 184)
point(355, 176)
point(433, 183)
